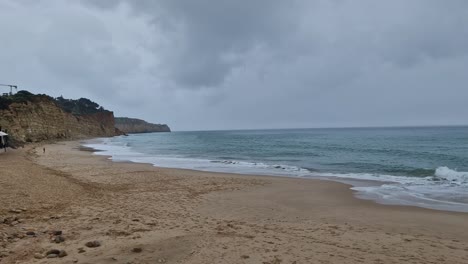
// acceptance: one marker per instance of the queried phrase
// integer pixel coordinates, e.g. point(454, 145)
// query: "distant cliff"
point(33, 118)
point(133, 125)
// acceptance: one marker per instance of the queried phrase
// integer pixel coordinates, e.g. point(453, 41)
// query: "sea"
point(419, 166)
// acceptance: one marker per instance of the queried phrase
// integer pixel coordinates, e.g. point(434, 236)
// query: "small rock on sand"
point(137, 249)
point(10, 220)
point(38, 256)
point(93, 244)
point(53, 251)
point(57, 232)
point(58, 239)
point(52, 256)
point(62, 254)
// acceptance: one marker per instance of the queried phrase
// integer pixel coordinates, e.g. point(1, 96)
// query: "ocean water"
point(424, 166)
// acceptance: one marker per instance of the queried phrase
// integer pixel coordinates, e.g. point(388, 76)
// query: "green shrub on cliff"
point(22, 97)
point(4, 102)
point(82, 106)
point(19, 97)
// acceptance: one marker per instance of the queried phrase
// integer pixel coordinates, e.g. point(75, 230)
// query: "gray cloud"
point(235, 64)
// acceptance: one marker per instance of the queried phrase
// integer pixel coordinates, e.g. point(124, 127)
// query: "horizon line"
point(338, 127)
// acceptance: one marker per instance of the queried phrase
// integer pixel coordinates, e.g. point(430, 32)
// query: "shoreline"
point(352, 183)
point(345, 181)
point(183, 216)
point(342, 182)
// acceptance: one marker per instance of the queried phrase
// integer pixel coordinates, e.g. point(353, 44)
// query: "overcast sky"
point(232, 64)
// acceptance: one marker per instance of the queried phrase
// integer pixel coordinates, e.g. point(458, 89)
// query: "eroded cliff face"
point(133, 125)
point(44, 120)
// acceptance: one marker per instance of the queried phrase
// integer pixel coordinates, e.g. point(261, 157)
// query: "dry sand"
point(182, 216)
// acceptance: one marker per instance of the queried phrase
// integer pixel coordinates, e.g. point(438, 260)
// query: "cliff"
point(133, 125)
point(34, 118)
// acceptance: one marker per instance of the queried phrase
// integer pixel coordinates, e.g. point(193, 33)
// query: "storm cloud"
point(229, 64)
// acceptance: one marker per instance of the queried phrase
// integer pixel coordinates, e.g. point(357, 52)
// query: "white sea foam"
point(445, 173)
point(122, 152)
point(447, 189)
point(441, 197)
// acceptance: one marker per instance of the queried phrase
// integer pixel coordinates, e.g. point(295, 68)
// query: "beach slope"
point(142, 214)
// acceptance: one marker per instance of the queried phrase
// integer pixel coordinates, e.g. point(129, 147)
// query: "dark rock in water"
point(93, 244)
point(278, 167)
point(62, 254)
point(53, 251)
point(137, 249)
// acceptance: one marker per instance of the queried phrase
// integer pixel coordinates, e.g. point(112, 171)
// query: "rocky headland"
point(134, 125)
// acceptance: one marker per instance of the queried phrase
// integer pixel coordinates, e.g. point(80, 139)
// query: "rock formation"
point(34, 118)
point(133, 125)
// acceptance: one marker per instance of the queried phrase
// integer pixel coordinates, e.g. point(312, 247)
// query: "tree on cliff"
point(19, 97)
point(82, 106)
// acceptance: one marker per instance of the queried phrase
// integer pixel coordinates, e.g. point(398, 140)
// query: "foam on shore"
point(447, 189)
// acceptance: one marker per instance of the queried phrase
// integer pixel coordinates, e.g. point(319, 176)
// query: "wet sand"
point(183, 216)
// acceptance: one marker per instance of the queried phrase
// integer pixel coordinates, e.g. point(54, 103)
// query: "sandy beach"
point(142, 214)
